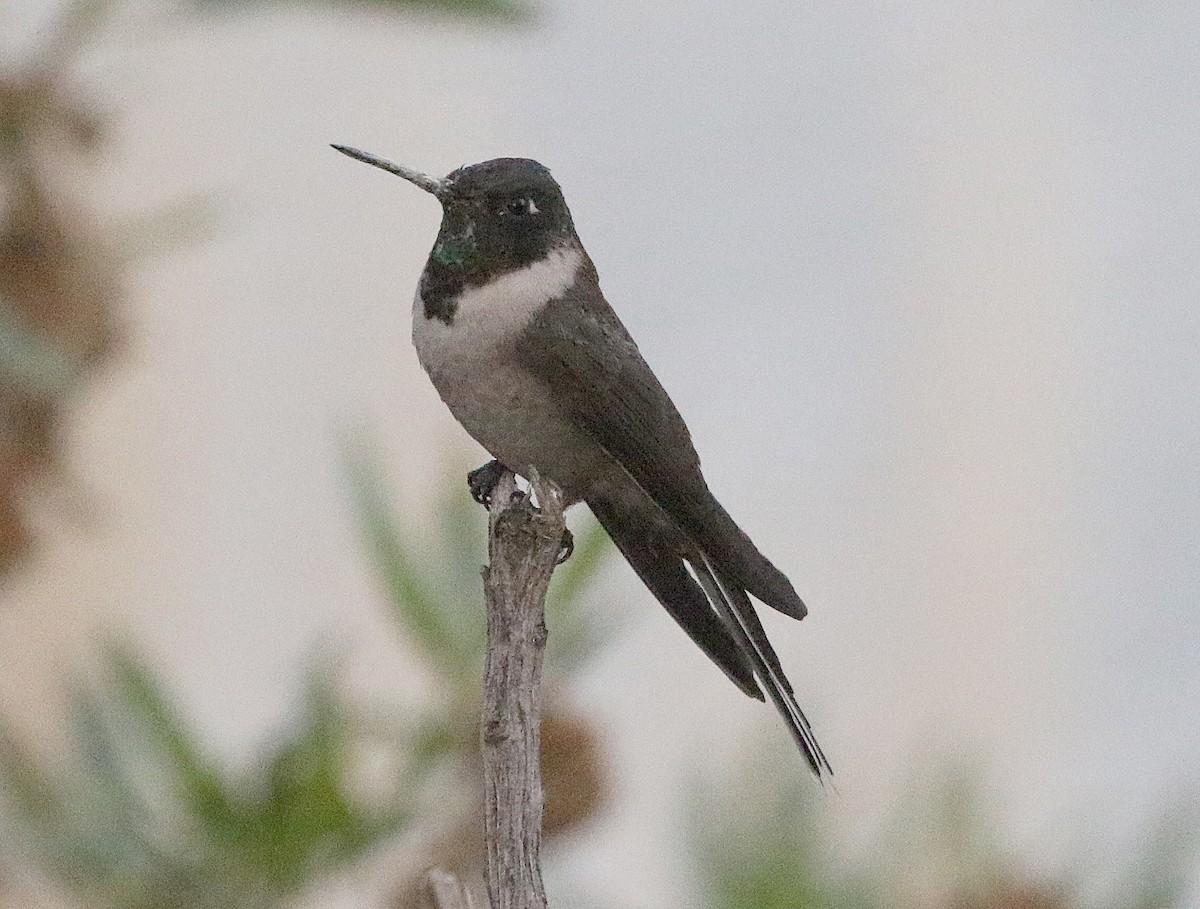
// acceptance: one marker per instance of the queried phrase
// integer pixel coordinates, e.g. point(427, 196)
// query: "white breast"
point(507, 410)
point(487, 317)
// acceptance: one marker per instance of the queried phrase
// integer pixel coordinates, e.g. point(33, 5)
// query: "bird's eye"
point(520, 207)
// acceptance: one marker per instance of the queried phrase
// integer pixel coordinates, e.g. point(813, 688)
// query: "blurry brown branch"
point(523, 547)
point(60, 284)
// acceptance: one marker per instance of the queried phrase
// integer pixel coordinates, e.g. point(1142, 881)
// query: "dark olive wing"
point(580, 349)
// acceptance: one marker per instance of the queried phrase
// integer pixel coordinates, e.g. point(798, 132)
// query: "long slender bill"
point(426, 182)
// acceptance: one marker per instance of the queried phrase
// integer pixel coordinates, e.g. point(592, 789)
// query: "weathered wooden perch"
point(523, 548)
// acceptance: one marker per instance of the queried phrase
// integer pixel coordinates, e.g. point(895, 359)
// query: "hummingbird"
point(511, 325)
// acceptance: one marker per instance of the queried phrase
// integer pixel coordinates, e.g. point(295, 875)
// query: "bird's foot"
point(482, 482)
point(568, 546)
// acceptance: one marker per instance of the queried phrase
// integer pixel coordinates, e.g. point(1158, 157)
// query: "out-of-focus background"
point(924, 280)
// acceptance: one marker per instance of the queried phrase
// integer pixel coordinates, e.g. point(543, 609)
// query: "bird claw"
point(568, 547)
point(482, 482)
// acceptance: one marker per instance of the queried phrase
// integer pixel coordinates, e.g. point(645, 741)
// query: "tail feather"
point(711, 604)
point(663, 570)
point(737, 612)
point(730, 547)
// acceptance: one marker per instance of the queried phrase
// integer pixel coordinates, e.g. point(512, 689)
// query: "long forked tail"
point(737, 613)
point(658, 563)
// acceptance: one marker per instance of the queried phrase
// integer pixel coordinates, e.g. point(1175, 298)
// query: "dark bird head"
point(497, 216)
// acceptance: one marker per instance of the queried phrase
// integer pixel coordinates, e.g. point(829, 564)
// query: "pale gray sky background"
point(922, 277)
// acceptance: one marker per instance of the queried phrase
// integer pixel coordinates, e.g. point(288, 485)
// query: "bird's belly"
point(512, 415)
point(509, 411)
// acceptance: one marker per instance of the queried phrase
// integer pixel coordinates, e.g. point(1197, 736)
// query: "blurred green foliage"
point(143, 816)
point(140, 815)
point(1163, 868)
point(440, 612)
point(758, 843)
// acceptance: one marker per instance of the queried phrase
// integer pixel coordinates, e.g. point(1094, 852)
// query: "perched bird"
point(510, 323)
